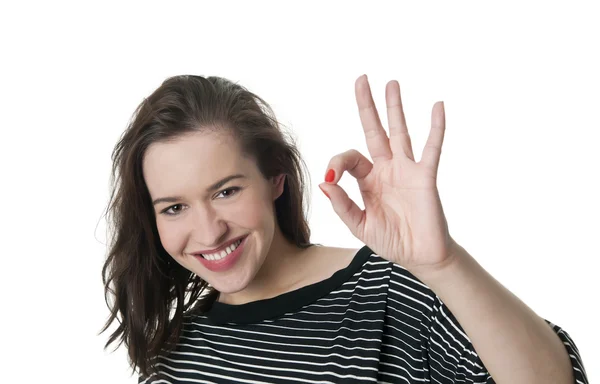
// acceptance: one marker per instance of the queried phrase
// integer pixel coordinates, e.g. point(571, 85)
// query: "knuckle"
point(352, 158)
point(352, 153)
point(434, 148)
point(341, 158)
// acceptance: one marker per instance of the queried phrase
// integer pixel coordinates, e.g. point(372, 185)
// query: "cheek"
point(252, 212)
point(170, 238)
point(250, 216)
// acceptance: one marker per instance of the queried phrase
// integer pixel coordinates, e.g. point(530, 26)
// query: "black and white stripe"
point(370, 322)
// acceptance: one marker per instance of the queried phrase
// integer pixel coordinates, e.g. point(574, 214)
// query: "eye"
point(171, 208)
point(230, 191)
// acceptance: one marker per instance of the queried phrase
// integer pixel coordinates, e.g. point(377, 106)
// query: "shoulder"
point(333, 258)
point(321, 262)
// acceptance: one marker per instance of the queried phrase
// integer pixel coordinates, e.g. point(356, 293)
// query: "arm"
point(404, 222)
point(515, 344)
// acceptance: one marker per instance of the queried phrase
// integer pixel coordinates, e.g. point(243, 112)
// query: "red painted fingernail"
point(330, 176)
point(326, 194)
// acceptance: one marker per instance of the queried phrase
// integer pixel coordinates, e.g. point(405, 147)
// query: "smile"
point(222, 254)
point(224, 259)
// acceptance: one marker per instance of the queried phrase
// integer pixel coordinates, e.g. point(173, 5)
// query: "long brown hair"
point(146, 291)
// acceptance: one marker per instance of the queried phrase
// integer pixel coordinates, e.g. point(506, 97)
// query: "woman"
point(215, 279)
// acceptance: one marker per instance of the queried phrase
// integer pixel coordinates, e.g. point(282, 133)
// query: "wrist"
point(432, 275)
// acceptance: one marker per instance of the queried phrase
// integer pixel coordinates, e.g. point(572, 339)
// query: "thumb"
point(345, 208)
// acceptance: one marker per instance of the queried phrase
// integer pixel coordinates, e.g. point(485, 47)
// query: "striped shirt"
point(372, 321)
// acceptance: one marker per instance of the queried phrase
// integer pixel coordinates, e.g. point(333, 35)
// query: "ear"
point(277, 185)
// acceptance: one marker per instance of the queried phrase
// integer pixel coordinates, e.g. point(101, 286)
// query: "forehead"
point(194, 160)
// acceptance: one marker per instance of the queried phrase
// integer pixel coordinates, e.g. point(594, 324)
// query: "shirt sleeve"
point(453, 358)
point(579, 373)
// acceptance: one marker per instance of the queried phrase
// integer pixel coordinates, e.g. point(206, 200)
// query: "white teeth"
point(223, 253)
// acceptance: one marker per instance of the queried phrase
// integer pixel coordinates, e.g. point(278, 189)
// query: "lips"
point(223, 253)
point(226, 262)
point(221, 248)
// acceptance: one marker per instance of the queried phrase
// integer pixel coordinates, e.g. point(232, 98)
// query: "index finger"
point(377, 140)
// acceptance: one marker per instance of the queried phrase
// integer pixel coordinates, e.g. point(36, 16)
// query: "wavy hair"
point(146, 291)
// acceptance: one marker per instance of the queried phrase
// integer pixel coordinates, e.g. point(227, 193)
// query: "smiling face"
point(192, 217)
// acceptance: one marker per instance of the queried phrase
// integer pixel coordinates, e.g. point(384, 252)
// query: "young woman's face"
point(206, 195)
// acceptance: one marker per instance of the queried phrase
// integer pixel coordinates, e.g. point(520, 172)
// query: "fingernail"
point(326, 194)
point(330, 176)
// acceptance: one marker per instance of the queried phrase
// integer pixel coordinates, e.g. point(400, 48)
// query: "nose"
point(209, 228)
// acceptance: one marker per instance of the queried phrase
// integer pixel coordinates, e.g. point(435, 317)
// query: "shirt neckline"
point(256, 311)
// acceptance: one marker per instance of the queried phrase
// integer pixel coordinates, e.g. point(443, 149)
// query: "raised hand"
point(403, 220)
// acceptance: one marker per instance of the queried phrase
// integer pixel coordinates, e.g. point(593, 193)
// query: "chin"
point(229, 289)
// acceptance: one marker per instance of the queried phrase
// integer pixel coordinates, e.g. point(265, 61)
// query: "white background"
point(518, 175)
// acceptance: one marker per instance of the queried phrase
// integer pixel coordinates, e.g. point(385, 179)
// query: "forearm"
point(515, 344)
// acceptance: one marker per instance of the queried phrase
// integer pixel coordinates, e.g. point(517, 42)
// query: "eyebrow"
point(214, 187)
